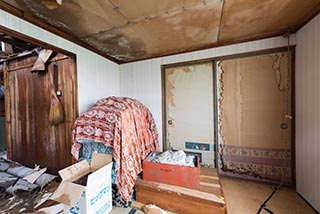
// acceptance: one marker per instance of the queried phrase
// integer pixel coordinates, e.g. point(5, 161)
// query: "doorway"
point(189, 119)
point(242, 105)
point(31, 136)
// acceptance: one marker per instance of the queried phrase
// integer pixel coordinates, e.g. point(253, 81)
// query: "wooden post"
point(7, 111)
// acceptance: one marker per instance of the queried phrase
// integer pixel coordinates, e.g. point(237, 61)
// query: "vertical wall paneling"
point(308, 112)
point(142, 80)
point(97, 76)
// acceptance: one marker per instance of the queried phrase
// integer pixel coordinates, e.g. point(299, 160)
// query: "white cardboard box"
point(96, 196)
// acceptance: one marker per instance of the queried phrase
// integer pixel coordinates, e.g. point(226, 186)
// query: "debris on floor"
point(54, 209)
point(153, 209)
point(22, 189)
point(30, 191)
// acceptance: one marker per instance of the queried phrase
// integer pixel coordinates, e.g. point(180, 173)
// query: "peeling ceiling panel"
point(128, 31)
point(182, 30)
point(244, 19)
point(120, 46)
point(77, 17)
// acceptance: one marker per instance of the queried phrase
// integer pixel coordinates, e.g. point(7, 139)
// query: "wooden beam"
point(34, 41)
point(4, 54)
point(9, 40)
point(7, 112)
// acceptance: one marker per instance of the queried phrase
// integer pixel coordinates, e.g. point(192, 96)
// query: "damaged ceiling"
point(126, 31)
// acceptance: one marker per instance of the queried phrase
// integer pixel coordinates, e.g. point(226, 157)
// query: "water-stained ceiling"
point(126, 31)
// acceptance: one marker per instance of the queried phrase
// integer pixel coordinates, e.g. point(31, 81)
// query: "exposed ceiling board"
point(126, 31)
point(118, 45)
point(13, 3)
point(78, 17)
point(141, 9)
point(244, 19)
point(178, 31)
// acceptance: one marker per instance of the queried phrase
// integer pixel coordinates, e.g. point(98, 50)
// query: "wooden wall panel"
point(33, 140)
point(308, 112)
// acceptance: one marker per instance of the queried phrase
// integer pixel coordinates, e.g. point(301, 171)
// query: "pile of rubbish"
point(23, 188)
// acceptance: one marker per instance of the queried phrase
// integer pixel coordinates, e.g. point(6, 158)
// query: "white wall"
point(142, 80)
point(97, 76)
point(308, 112)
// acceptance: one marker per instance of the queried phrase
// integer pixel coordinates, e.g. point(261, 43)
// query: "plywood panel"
point(134, 30)
point(266, 17)
point(141, 9)
point(33, 140)
point(179, 30)
point(308, 112)
point(78, 18)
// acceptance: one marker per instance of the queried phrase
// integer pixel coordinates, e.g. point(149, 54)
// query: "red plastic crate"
point(184, 176)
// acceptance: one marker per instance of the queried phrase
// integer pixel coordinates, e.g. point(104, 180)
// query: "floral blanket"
point(127, 126)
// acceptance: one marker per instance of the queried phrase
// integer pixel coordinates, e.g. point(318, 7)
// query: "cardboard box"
point(96, 195)
point(184, 176)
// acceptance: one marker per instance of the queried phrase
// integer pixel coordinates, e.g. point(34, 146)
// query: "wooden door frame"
point(163, 90)
point(42, 44)
point(164, 104)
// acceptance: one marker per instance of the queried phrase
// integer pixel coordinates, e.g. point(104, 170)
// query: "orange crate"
point(184, 176)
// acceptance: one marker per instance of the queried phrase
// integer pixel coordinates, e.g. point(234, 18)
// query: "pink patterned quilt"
point(127, 126)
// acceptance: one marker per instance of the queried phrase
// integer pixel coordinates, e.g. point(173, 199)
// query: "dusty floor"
point(245, 197)
point(242, 197)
